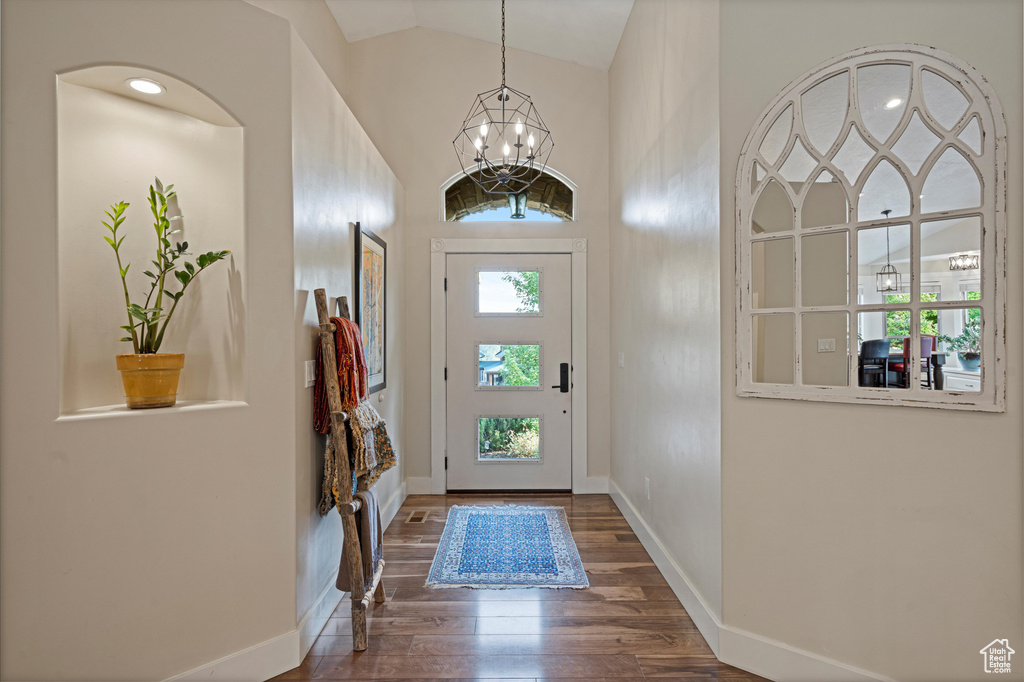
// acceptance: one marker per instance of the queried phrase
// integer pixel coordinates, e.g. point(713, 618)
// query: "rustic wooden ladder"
point(347, 505)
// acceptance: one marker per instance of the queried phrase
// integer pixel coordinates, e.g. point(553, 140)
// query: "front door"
point(509, 387)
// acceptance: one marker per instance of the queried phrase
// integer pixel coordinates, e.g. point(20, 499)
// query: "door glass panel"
point(824, 262)
point(508, 366)
point(503, 292)
point(772, 339)
point(823, 349)
point(771, 266)
point(509, 438)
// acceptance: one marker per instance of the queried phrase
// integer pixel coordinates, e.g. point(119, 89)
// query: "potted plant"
point(967, 345)
point(151, 378)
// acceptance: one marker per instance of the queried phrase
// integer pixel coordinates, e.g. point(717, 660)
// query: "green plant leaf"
point(191, 268)
point(110, 241)
point(126, 338)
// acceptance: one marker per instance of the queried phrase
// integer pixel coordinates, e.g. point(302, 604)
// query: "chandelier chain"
point(502, 43)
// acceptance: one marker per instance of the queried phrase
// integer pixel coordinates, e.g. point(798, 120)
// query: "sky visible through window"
point(497, 294)
point(492, 215)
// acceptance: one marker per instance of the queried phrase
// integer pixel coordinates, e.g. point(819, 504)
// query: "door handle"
point(563, 378)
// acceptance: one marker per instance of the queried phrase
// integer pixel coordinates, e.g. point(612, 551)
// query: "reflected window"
point(871, 211)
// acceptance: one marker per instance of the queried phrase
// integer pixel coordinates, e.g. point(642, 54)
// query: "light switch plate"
point(622, 359)
point(826, 345)
point(310, 373)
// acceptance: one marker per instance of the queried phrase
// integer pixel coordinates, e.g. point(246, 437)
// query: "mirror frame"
point(991, 167)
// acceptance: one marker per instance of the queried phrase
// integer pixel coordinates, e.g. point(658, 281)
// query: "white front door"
point(509, 369)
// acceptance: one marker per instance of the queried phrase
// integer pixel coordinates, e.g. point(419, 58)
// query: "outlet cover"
point(310, 373)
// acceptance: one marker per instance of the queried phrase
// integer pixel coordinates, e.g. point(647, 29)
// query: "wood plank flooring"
point(627, 626)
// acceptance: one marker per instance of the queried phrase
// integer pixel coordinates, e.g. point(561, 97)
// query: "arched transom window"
point(870, 235)
point(549, 198)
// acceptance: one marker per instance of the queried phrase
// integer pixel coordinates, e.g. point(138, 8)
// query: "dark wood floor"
point(628, 625)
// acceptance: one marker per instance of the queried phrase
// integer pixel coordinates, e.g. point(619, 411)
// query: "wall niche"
point(111, 143)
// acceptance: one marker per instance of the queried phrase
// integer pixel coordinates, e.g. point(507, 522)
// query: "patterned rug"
point(501, 548)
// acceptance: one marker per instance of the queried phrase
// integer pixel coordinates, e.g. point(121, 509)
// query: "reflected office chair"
point(874, 359)
point(927, 346)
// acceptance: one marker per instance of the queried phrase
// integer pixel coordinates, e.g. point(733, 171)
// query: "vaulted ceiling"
point(585, 32)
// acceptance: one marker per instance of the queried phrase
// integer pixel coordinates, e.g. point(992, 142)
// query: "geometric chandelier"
point(964, 261)
point(503, 145)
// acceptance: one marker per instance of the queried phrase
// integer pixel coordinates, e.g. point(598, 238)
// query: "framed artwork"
point(371, 272)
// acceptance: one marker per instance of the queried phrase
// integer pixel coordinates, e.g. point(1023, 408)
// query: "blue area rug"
point(501, 548)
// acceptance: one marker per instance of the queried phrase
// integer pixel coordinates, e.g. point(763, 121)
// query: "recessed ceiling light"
point(145, 85)
point(893, 103)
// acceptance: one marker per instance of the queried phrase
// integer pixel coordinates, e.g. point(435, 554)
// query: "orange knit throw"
point(353, 376)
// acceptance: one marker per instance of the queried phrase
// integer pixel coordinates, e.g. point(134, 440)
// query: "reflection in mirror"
point(853, 156)
point(915, 144)
point(885, 190)
point(824, 260)
point(756, 174)
point(771, 271)
point(824, 203)
point(971, 135)
point(958, 357)
point(952, 183)
point(877, 247)
point(772, 351)
point(823, 110)
point(880, 348)
point(773, 211)
point(775, 139)
point(798, 166)
point(948, 248)
point(882, 92)
point(824, 349)
point(944, 100)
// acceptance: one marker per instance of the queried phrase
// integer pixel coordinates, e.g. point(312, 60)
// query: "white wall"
point(884, 538)
point(339, 179)
point(665, 281)
point(410, 91)
point(138, 546)
point(111, 148)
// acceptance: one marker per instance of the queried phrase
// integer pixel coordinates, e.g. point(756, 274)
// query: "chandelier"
point(888, 278)
point(503, 145)
point(964, 261)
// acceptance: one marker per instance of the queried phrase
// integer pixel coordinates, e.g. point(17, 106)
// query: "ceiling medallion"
point(504, 144)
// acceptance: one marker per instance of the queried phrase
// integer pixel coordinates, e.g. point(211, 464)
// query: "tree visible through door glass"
point(509, 366)
point(502, 292)
point(509, 437)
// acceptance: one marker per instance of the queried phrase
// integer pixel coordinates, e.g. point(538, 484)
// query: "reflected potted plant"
point(150, 378)
point(967, 346)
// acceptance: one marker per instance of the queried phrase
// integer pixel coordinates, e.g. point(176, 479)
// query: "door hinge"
point(446, 464)
point(446, 374)
point(446, 284)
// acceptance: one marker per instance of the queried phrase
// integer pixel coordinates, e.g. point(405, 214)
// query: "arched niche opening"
point(112, 142)
point(550, 198)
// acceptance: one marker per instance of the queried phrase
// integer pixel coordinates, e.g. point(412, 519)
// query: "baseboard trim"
point(745, 650)
point(700, 613)
point(255, 664)
point(422, 485)
point(390, 508)
point(316, 617)
point(778, 661)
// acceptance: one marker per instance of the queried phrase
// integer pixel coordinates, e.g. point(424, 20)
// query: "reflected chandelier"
point(888, 278)
point(503, 145)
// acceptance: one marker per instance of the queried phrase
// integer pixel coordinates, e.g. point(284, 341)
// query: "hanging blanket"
point(371, 551)
point(353, 376)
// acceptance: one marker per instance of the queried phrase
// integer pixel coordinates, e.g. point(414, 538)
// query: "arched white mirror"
point(870, 235)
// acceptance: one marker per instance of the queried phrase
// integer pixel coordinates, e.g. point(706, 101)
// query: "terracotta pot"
point(151, 379)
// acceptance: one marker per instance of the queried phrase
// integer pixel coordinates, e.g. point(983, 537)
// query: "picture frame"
point(370, 309)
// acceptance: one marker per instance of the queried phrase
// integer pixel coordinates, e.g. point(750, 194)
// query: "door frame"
point(439, 250)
